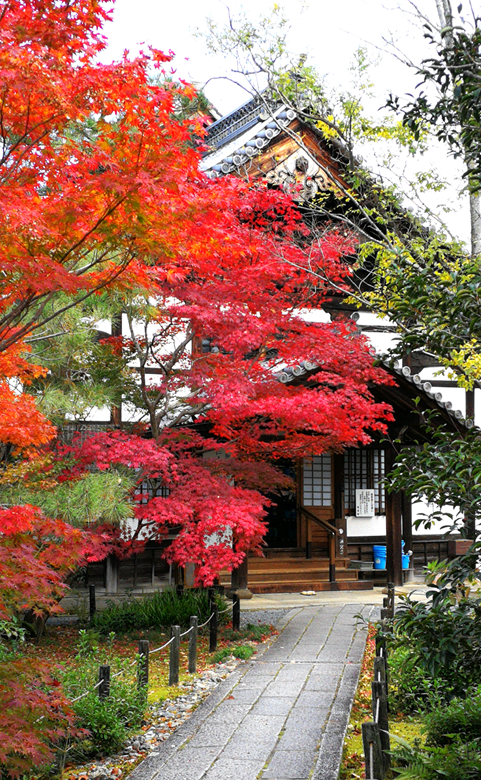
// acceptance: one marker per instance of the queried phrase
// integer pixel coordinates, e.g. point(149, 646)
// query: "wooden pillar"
point(308, 538)
point(112, 574)
point(152, 567)
point(339, 508)
point(116, 411)
point(393, 528)
point(239, 580)
point(189, 574)
point(408, 529)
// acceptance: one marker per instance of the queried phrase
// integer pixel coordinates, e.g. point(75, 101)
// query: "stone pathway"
point(282, 716)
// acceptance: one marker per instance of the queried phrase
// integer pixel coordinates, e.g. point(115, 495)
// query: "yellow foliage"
point(468, 359)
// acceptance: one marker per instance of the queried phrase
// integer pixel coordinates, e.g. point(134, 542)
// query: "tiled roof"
point(305, 367)
point(234, 140)
point(240, 136)
point(435, 395)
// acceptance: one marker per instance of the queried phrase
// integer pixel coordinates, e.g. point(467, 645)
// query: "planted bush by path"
point(459, 720)
point(438, 646)
point(107, 722)
point(161, 610)
point(456, 762)
point(413, 690)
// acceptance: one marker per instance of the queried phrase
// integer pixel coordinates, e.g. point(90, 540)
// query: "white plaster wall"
point(381, 342)
point(376, 526)
point(365, 526)
point(439, 527)
point(314, 315)
point(97, 414)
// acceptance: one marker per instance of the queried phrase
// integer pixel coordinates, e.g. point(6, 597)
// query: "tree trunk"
point(445, 15)
point(475, 214)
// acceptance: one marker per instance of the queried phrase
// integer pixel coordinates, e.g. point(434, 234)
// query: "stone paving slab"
point(282, 716)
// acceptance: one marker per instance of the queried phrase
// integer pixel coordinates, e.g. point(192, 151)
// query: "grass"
point(244, 652)
point(160, 610)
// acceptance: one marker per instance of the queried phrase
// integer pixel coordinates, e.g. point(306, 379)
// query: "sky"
point(328, 31)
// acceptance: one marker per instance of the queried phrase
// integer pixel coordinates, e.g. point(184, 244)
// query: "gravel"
point(258, 617)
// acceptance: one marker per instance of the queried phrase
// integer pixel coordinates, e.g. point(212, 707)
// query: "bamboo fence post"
point(213, 628)
point(235, 612)
point(371, 741)
point(379, 706)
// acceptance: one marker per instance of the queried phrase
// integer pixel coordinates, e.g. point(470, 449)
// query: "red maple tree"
point(253, 313)
point(100, 189)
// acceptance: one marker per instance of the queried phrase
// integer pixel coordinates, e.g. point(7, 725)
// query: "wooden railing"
point(332, 533)
point(424, 550)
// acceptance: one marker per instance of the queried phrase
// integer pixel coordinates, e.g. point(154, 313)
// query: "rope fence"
point(144, 652)
point(375, 733)
point(206, 622)
point(162, 647)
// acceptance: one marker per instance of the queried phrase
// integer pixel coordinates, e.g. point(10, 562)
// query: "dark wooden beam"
point(469, 404)
point(339, 509)
point(393, 528)
point(116, 411)
point(407, 522)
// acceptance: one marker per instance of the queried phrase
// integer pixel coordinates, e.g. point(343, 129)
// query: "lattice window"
point(317, 479)
point(150, 488)
point(81, 431)
point(364, 469)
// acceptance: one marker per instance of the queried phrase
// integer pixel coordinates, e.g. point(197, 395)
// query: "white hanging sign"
point(364, 503)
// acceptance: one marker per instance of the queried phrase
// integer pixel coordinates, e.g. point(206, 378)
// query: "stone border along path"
point(283, 716)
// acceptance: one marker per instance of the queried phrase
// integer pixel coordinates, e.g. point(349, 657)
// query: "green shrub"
point(88, 642)
point(411, 689)
point(442, 642)
point(161, 610)
point(106, 721)
point(459, 720)
point(106, 730)
point(453, 762)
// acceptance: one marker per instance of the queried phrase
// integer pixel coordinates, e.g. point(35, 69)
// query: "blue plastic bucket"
point(379, 551)
point(405, 561)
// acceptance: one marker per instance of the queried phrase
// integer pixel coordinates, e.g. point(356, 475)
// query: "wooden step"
point(267, 564)
point(295, 578)
point(273, 566)
point(294, 553)
point(302, 576)
point(294, 586)
point(289, 571)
